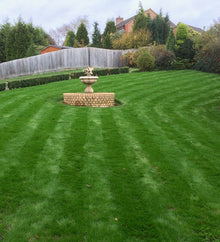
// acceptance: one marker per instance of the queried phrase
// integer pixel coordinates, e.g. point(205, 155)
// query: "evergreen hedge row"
point(75, 75)
point(2, 86)
point(37, 81)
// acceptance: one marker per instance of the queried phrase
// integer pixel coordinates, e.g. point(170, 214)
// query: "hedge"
point(75, 75)
point(2, 86)
point(37, 81)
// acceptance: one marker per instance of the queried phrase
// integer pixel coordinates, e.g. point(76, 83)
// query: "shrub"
point(129, 59)
point(163, 58)
point(132, 39)
point(185, 50)
point(145, 61)
point(178, 65)
point(101, 72)
point(37, 81)
point(114, 71)
point(2, 86)
point(208, 59)
point(56, 78)
point(76, 75)
point(124, 69)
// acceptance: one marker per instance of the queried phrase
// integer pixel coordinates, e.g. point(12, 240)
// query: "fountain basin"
point(88, 81)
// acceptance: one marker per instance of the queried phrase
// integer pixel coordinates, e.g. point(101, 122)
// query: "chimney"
point(119, 20)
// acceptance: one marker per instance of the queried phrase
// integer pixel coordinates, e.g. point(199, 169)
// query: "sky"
point(50, 14)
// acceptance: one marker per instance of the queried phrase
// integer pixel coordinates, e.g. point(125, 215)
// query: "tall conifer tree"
point(96, 36)
point(170, 44)
point(110, 28)
point(82, 35)
point(70, 39)
point(140, 20)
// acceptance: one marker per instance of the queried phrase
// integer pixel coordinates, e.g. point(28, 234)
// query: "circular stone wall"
point(90, 99)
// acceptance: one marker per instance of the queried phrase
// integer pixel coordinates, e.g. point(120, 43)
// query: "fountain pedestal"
point(88, 81)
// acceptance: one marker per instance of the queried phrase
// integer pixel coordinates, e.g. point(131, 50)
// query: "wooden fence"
point(60, 60)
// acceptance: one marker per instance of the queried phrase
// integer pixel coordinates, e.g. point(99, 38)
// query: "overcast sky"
point(50, 14)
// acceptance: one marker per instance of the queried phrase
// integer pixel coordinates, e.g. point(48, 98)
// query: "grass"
point(147, 170)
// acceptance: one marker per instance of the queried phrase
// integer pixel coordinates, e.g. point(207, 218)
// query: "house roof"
point(57, 46)
point(199, 30)
point(121, 25)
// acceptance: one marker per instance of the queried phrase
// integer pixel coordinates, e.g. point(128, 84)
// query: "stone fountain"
point(89, 79)
point(89, 98)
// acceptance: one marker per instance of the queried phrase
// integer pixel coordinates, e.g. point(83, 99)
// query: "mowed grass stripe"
point(43, 205)
point(132, 205)
point(169, 159)
point(151, 180)
point(99, 205)
point(20, 181)
point(159, 133)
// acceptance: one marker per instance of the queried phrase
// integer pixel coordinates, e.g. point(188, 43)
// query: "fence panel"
point(63, 59)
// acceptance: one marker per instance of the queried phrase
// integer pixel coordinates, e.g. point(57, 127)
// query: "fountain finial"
point(88, 71)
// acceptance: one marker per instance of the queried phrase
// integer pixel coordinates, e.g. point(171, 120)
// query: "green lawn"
point(147, 170)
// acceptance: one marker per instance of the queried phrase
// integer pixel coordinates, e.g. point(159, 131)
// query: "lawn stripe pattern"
point(147, 170)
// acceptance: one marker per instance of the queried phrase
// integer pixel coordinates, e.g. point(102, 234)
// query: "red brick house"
point(52, 48)
point(127, 25)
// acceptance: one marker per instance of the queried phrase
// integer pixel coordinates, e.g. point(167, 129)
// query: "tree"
point(96, 36)
point(21, 40)
point(4, 30)
point(18, 41)
point(107, 42)
point(132, 40)
point(70, 39)
point(160, 28)
point(185, 50)
point(140, 20)
point(181, 33)
point(82, 35)
point(110, 29)
point(208, 50)
point(49, 40)
point(166, 27)
point(149, 22)
point(59, 34)
point(170, 44)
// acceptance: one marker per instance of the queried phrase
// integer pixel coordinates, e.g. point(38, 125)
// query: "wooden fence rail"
point(60, 60)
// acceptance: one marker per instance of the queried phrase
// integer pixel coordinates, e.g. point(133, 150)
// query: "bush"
point(208, 59)
point(163, 58)
point(124, 69)
point(76, 75)
point(185, 50)
point(129, 59)
point(178, 65)
point(2, 86)
point(145, 61)
point(37, 81)
point(56, 78)
point(181, 64)
point(132, 39)
point(101, 72)
point(114, 71)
